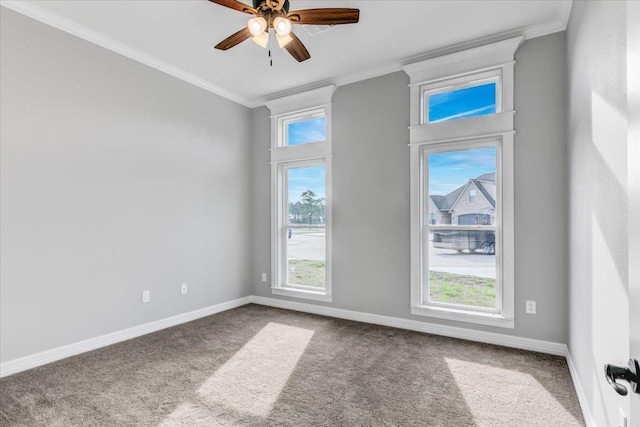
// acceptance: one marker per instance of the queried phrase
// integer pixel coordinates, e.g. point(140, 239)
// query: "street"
point(309, 244)
point(472, 264)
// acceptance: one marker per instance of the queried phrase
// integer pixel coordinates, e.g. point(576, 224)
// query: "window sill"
point(304, 294)
point(478, 317)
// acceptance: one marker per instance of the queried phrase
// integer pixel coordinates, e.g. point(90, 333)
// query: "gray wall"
point(114, 178)
point(597, 141)
point(371, 195)
point(117, 178)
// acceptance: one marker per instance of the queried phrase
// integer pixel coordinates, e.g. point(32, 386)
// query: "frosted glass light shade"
point(257, 25)
point(282, 26)
point(261, 39)
point(283, 40)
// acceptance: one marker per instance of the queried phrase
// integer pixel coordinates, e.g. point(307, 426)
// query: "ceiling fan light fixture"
point(261, 40)
point(281, 20)
point(282, 26)
point(257, 26)
point(283, 40)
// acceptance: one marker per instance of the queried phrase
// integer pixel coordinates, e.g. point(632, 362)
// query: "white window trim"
point(504, 234)
point(497, 227)
point(426, 75)
point(284, 110)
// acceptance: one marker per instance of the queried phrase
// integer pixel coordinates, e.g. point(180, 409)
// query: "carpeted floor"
point(261, 366)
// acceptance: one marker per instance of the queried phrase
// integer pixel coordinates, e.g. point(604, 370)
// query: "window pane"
point(462, 263)
point(462, 103)
point(306, 226)
point(306, 131)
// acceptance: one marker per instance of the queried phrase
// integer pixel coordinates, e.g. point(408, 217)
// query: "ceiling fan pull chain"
point(269, 47)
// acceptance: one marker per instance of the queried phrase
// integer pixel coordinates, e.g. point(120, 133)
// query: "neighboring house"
point(470, 204)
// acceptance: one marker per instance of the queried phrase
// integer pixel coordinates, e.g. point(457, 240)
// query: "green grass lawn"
point(460, 289)
point(444, 287)
point(307, 272)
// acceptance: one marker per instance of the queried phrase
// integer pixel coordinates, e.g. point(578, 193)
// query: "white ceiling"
point(177, 37)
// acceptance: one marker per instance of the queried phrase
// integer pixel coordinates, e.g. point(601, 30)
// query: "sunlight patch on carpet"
point(189, 415)
point(489, 392)
point(253, 378)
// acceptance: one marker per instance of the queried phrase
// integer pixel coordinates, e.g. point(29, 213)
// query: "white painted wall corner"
point(582, 397)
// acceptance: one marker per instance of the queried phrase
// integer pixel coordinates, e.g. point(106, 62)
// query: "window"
point(472, 195)
point(460, 255)
point(305, 225)
point(303, 127)
point(461, 142)
point(451, 104)
point(301, 195)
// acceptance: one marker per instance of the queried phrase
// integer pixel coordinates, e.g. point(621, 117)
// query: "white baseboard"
point(548, 347)
point(559, 349)
point(48, 356)
point(582, 397)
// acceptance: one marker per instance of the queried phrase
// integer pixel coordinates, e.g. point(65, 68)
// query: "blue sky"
point(307, 178)
point(461, 103)
point(451, 169)
point(312, 130)
point(447, 170)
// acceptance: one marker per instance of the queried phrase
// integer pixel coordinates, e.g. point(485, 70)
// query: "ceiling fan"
point(275, 14)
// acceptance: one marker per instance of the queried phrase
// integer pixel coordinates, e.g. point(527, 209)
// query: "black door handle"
point(629, 374)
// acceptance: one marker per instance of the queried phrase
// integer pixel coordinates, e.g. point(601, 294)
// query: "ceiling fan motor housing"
point(262, 4)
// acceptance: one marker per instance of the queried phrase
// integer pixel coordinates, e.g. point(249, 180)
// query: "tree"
point(311, 207)
point(295, 212)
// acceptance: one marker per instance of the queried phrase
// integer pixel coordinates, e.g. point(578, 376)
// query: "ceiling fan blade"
point(235, 5)
point(234, 39)
point(330, 16)
point(297, 49)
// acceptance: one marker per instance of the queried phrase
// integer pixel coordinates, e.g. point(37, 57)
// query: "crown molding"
point(47, 17)
point(301, 101)
point(31, 10)
point(464, 61)
point(560, 24)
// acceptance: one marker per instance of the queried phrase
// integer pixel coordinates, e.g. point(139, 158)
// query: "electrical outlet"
point(264, 277)
point(531, 307)
point(183, 289)
point(146, 296)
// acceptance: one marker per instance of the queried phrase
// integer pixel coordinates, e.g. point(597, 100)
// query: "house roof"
point(445, 203)
point(487, 177)
point(484, 192)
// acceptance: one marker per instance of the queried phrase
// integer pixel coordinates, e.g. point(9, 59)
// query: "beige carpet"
point(260, 366)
